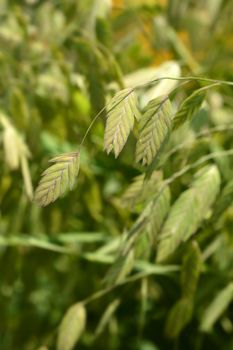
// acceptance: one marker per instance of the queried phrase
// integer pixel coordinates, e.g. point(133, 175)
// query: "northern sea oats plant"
point(139, 254)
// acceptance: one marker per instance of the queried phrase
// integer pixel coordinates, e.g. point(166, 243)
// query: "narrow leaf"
point(120, 269)
point(154, 129)
point(71, 327)
point(217, 308)
point(57, 178)
point(106, 317)
point(191, 269)
point(26, 177)
point(121, 111)
point(179, 317)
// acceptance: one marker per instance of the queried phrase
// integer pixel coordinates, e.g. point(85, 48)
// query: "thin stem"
point(90, 126)
point(191, 78)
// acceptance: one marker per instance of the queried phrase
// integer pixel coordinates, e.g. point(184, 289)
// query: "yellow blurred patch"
point(125, 3)
point(161, 57)
point(117, 3)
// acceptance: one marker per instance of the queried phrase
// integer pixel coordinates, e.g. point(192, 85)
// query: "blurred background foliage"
point(60, 61)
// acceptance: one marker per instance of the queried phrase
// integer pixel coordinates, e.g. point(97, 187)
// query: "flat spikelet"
point(121, 113)
point(57, 178)
point(154, 129)
point(188, 211)
point(188, 108)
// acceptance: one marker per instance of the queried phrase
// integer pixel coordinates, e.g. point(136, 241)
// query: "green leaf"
point(189, 107)
point(71, 327)
point(191, 269)
point(154, 129)
point(121, 111)
point(106, 317)
point(217, 308)
point(188, 211)
point(58, 178)
point(179, 317)
point(120, 269)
